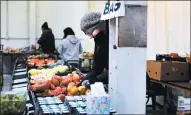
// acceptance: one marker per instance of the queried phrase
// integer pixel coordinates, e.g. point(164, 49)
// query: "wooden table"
point(182, 86)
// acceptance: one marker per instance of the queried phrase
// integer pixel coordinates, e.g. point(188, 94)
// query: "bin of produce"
point(12, 103)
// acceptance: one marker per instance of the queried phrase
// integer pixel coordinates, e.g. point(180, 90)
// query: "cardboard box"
point(178, 99)
point(181, 103)
point(168, 70)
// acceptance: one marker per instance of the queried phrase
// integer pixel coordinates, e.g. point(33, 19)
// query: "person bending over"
point(92, 26)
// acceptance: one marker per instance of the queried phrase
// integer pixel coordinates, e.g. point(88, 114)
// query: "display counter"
point(50, 85)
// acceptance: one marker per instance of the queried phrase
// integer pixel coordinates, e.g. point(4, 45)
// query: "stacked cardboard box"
point(179, 100)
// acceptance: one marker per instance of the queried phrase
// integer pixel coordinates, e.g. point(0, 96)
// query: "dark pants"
point(103, 77)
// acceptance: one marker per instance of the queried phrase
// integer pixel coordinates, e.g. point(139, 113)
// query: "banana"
point(82, 90)
point(32, 82)
point(39, 68)
point(87, 91)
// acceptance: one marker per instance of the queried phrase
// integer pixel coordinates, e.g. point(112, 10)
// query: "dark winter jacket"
point(47, 42)
point(101, 55)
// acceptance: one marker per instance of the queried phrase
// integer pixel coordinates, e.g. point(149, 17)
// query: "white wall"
point(168, 22)
point(61, 14)
point(14, 23)
point(26, 17)
point(168, 27)
point(3, 18)
point(97, 6)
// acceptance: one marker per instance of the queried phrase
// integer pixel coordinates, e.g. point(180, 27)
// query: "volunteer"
point(92, 26)
point(47, 40)
point(70, 47)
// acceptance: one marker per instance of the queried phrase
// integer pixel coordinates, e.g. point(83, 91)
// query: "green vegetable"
point(12, 103)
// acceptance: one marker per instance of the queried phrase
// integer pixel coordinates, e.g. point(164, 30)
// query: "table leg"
point(90, 64)
point(12, 63)
point(165, 100)
point(80, 64)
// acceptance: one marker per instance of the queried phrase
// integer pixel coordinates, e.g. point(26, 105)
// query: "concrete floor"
point(7, 86)
point(7, 82)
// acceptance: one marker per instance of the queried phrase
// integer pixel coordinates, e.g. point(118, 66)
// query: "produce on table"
point(40, 67)
point(70, 86)
point(173, 54)
point(38, 76)
point(76, 78)
point(57, 69)
point(36, 62)
point(69, 94)
point(30, 48)
point(41, 77)
point(61, 97)
point(66, 80)
point(48, 61)
point(82, 90)
point(40, 87)
point(61, 69)
point(40, 62)
point(11, 50)
point(12, 103)
point(56, 80)
point(88, 54)
point(38, 56)
point(56, 86)
point(75, 91)
point(188, 58)
point(87, 91)
point(52, 65)
point(33, 72)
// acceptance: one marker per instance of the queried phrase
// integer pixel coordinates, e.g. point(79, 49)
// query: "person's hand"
point(82, 76)
point(85, 83)
point(37, 46)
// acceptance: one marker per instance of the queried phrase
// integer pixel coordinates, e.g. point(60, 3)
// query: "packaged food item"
point(80, 111)
point(83, 98)
point(49, 101)
point(62, 107)
point(53, 106)
point(69, 98)
point(80, 102)
point(40, 99)
point(73, 110)
point(77, 98)
point(65, 112)
point(112, 111)
point(83, 106)
point(42, 102)
point(46, 113)
point(12, 102)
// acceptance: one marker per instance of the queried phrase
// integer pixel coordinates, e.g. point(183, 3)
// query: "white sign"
point(113, 9)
